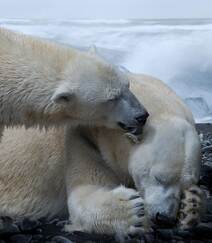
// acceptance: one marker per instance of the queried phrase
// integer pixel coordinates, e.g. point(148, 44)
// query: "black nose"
point(164, 220)
point(141, 119)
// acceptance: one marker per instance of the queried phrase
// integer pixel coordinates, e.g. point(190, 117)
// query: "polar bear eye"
point(159, 180)
point(165, 180)
point(112, 99)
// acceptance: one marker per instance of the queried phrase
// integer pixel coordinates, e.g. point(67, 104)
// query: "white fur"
point(81, 169)
point(35, 75)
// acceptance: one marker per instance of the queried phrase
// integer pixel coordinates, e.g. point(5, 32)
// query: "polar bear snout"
point(142, 118)
point(162, 205)
point(164, 214)
point(139, 121)
point(132, 114)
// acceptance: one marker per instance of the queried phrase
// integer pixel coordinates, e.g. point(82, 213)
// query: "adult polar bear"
point(45, 84)
point(81, 169)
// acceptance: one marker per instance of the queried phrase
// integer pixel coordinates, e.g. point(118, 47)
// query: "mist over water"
point(177, 51)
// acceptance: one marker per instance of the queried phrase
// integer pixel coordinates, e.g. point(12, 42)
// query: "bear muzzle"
point(136, 126)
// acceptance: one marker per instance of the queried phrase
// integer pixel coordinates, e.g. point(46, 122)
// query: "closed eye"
point(110, 101)
point(160, 180)
point(115, 98)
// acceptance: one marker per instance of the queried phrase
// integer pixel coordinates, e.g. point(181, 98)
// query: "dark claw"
point(141, 214)
point(138, 224)
point(139, 204)
point(134, 197)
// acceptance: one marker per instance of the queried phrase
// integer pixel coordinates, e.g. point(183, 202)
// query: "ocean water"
point(177, 51)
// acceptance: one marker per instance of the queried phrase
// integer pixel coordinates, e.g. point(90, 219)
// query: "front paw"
point(128, 213)
point(191, 207)
point(119, 211)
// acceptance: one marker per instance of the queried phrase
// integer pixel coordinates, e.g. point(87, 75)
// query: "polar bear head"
point(93, 92)
point(165, 165)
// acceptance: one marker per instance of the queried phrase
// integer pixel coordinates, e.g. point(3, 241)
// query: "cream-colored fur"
point(43, 84)
point(82, 169)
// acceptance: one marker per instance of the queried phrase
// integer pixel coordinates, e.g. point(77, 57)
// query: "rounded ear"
point(93, 50)
point(62, 98)
point(62, 95)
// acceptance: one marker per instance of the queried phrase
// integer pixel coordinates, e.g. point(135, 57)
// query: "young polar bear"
point(90, 172)
point(45, 84)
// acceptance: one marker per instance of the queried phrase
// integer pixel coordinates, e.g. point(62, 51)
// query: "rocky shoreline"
point(26, 231)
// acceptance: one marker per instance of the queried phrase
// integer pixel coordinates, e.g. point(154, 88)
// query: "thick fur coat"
point(103, 179)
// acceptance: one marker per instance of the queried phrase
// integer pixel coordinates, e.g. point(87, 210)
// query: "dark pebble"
point(37, 237)
point(207, 218)
point(183, 233)
point(203, 230)
point(133, 241)
point(61, 239)
point(27, 224)
point(177, 238)
point(196, 241)
point(38, 230)
point(165, 234)
point(7, 226)
point(209, 205)
point(149, 238)
point(20, 238)
point(53, 221)
point(207, 148)
point(141, 241)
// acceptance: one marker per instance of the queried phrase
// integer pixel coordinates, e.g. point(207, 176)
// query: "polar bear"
point(106, 182)
point(45, 84)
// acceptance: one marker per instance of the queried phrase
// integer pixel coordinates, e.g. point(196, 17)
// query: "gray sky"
point(105, 8)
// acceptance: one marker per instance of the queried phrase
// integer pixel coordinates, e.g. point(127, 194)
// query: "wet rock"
point(9, 229)
point(209, 205)
point(183, 233)
point(203, 230)
point(205, 191)
point(134, 241)
point(61, 239)
point(27, 224)
point(38, 230)
point(37, 237)
point(7, 226)
point(165, 234)
point(149, 238)
point(20, 238)
point(207, 148)
point(53, 221)
point(196, 241)
point(206, 176)
point(207, 218)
